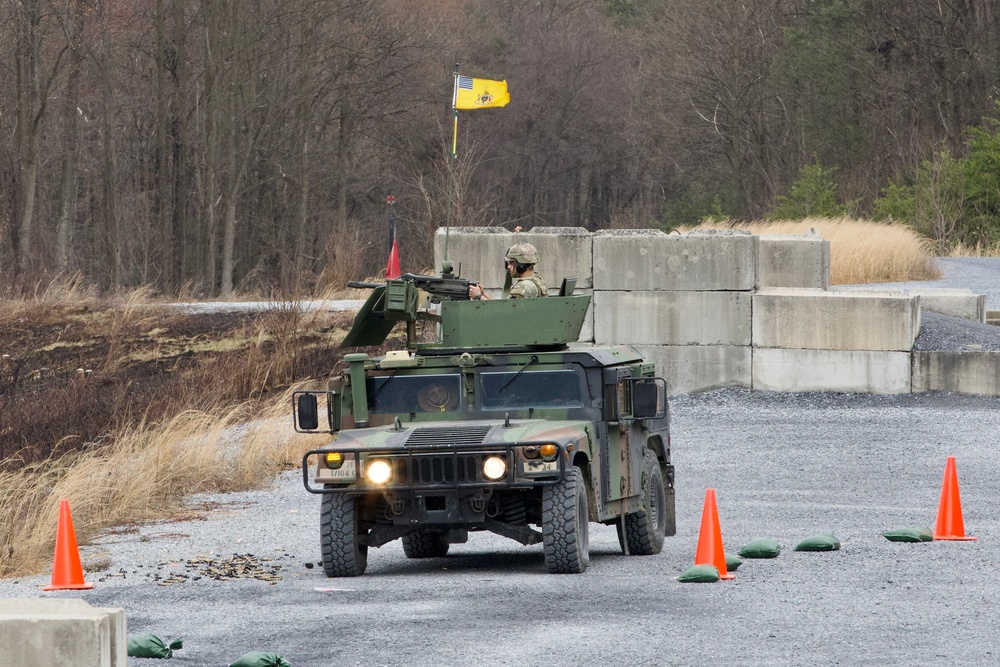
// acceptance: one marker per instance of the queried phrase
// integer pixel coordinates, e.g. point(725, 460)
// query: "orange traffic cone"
point(949, 519)
point(710, 538)
point(67, 572)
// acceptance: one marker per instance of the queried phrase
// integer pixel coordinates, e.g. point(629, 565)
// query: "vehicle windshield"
point(530, 389)
point(414, 393)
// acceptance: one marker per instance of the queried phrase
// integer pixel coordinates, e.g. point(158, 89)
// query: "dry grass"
point(861, 251)
point(144, 475)
point(125, 444)
point(959, 249)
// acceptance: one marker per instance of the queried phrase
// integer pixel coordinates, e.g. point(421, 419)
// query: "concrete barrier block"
point(962, 303)
point(692, 368)
point(587, 330)
point(959, 371)
point(854, 371)
point(702, 260)
point(61, 631)
point(849, 320)
point(478, 253)
point(562, 252)
point(793, 260)
point(672, 318)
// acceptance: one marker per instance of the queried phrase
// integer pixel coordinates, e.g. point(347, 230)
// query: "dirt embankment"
point(73, 375)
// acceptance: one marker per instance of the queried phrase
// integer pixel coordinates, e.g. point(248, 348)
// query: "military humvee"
point(501, 422)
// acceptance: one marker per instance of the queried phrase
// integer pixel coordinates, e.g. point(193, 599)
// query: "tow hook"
point(396, 505)
point(477, 503)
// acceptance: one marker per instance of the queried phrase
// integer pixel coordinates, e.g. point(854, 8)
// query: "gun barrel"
point(360, 285)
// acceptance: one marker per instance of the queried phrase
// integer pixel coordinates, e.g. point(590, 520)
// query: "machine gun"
point(446, 287)
point(409, 298)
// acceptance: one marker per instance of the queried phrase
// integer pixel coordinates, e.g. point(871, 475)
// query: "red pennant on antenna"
point(392, 265)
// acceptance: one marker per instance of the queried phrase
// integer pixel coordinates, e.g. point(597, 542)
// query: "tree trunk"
point(26, 136)
point(71, 113)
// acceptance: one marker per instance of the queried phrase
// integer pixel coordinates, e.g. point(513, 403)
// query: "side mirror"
point(648, 398)
point(306, 412)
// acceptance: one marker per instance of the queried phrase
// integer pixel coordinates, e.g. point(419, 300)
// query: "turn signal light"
point(334, 460)
point(548, 451)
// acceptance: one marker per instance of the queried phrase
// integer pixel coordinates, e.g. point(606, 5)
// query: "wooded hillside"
point(207, 146)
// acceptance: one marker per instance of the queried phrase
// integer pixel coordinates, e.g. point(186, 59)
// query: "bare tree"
point(37, 61)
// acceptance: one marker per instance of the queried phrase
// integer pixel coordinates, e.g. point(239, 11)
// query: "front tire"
point(565, 525)
point(425, 544)
point(340, 535)
point(645, 529)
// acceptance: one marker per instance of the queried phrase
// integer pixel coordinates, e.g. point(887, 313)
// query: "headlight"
point(379, 471)
point(494, 468)
point(548, 451)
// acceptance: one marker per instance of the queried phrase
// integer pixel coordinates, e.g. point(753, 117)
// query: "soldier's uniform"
point(528, 288)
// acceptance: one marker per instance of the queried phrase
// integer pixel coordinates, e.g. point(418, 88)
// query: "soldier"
point(520, 264)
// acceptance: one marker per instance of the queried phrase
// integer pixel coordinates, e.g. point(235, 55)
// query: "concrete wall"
point(636, 260)
point(61, 632)
point(793, 260)
point(958, 371)
point(478, 253)
point(962, 303)
point(821, 320)
point(672, 318)
point(727, 308)
point(855, 371)
point(692, 368)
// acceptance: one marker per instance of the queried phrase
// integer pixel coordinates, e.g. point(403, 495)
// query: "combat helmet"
point(523, 253)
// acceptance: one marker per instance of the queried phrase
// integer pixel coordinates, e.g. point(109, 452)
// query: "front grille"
point(433, 469)
point(448, 435)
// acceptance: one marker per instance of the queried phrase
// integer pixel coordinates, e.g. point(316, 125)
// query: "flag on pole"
point(479, 93)
point(392, 265)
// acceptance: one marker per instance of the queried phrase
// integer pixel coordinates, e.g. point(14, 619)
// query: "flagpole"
point(446, 267)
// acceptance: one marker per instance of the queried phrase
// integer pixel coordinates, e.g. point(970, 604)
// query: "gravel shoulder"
point(784, 466)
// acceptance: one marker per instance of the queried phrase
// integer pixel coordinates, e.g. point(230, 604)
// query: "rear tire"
point(425, 544)
point(340, 534)
point(645, 529)
point(565, 525)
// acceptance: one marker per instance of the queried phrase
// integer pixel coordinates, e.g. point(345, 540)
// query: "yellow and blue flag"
point(473, 93)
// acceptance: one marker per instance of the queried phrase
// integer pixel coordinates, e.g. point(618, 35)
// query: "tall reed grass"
point(959, 249)
point(861, 251)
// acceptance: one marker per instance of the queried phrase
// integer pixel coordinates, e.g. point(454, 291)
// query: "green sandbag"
point(699, 574)
point(733, 562)
point(260, 659)
point(151, 646)
point(762, 548)
point(824, 542)
point(909, 534)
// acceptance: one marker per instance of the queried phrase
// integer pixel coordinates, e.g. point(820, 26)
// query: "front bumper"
point(432, 469)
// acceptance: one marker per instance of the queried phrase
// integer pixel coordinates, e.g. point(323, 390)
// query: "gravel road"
point(784, 466)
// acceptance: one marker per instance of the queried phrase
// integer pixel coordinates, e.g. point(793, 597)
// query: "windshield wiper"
point(374, 397)
point(532, 360)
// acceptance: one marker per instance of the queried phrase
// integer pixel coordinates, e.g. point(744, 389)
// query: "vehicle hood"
point(446, 433)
